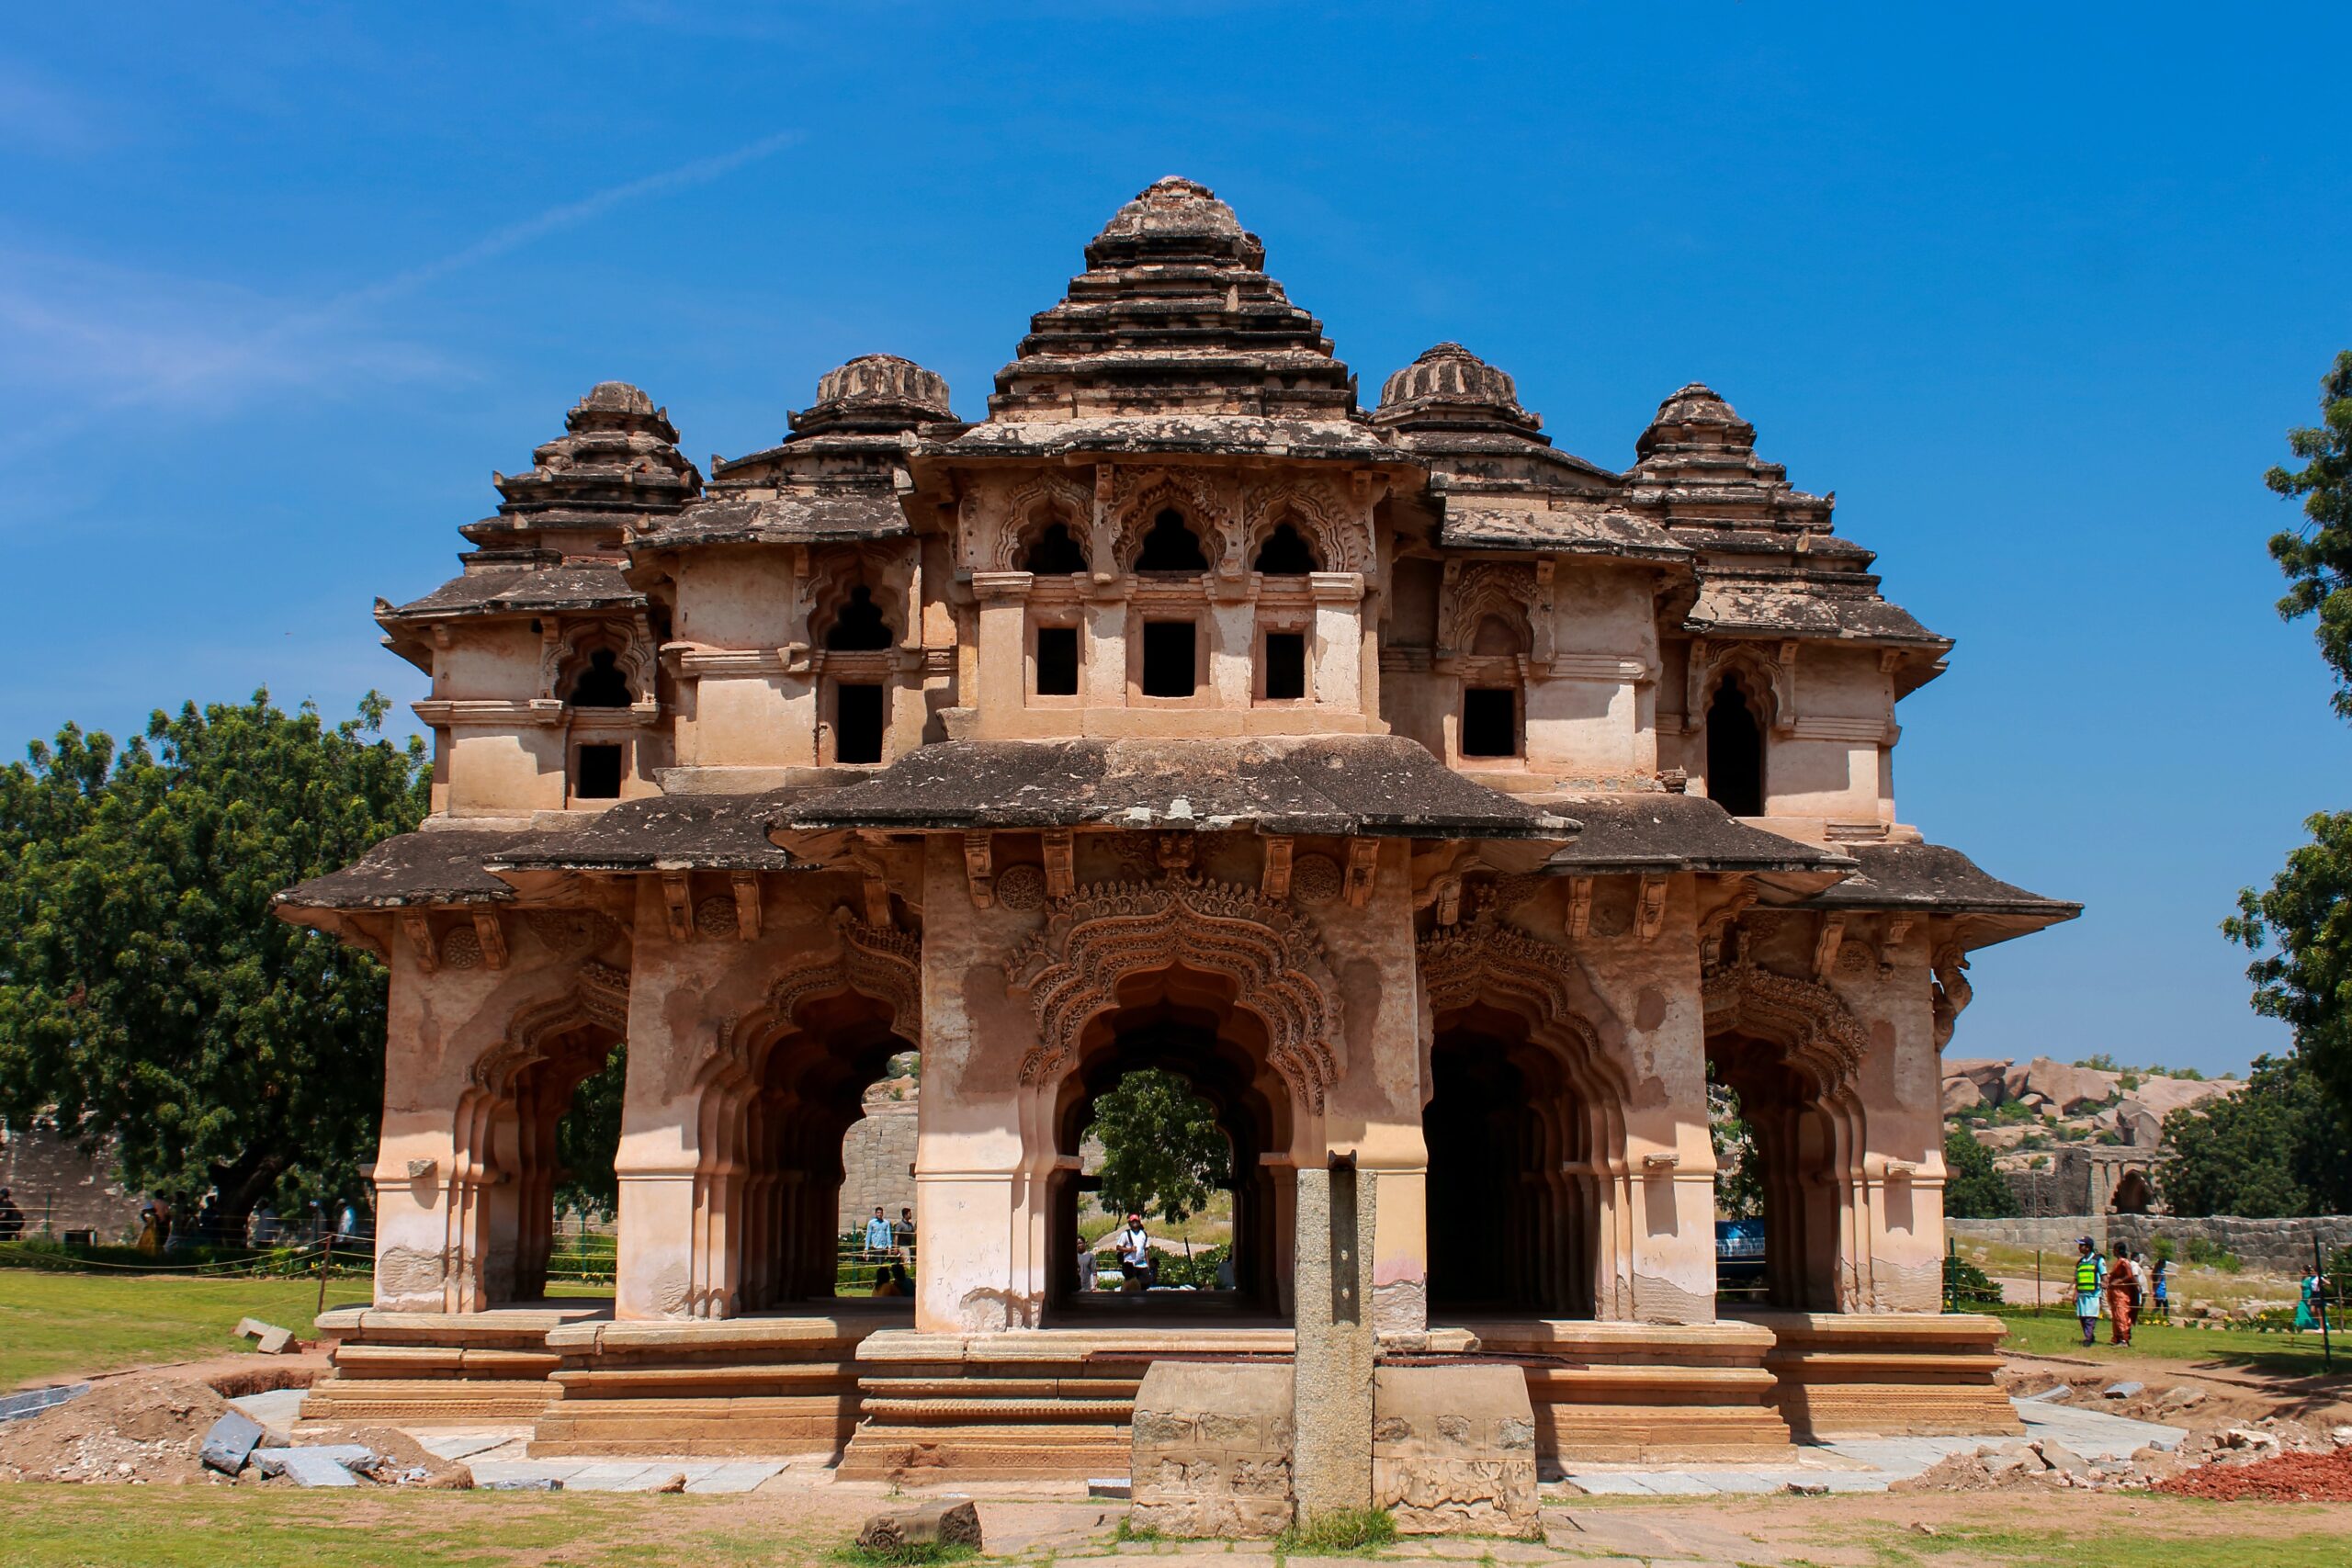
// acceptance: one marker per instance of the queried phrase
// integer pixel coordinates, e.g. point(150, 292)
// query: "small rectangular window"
point(597, 774)
point(1285, 666)
point(1490, 722)
point(1167, 654)
point(857, 724)
point(1058, 661)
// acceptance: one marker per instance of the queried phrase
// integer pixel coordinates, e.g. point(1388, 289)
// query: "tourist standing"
point(1090, 1270)
point(151, 1230)
point(2307, 1305)
point(12, 1219)
point(2123, 1298)
point(2090, 1278)
point(2162, 1280)
point(902, 1235)
point(877, 1234)
point(1135, 1256)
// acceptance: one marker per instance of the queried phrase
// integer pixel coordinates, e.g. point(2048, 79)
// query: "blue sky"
point(2035, 290)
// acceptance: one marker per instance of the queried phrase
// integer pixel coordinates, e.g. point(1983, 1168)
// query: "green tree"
point(1972, 1188)
point(1163, 1151)
point(2270, 1151)
point(148, 995)
point(588, 1137)
point(2300, 932)
point(1739, 1174)
point(2317, 558)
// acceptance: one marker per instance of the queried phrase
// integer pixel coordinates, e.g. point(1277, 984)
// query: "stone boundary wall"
point(51, 1178)
point(879, 1162)
point(2274, 1246)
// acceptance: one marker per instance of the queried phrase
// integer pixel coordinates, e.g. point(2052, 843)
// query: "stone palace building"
point(1444, 807)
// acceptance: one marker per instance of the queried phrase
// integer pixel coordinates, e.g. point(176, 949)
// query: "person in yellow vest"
point(2090, 1280)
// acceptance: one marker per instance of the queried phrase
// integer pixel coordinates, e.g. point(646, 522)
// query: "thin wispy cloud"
point(103, 341)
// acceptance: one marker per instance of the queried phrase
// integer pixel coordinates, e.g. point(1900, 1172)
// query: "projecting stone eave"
point(841, 517)
point(1935, 879)
point(661, 833)
point(432, 866)
point(1338, 786)
point(1659, 833)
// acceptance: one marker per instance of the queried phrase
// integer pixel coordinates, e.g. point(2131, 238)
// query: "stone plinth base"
point(1050, 1404)
point(1212, 1446)
point(423, 1368)
point(1632, 1391)
point(1885, 1375)
point(746, 1385)
point(1453, 1450)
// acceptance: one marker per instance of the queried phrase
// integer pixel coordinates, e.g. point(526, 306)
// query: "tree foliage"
point(1739, 1174)
point(1163, 1151)
point(2300, 931)
point(2317, 559)
point(2271, 1151)
point(1972, 1188)
point(147, 994)
point(588, 1139)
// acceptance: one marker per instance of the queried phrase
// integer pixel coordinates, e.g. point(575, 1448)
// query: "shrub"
point(2214, 1254)
point(1967, 1285)
point(1341, 1530)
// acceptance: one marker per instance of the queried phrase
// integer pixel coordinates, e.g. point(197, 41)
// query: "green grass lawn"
point(56, 1326)
point(173, 1526)
point(2177, 1533)
point(2055, 1334)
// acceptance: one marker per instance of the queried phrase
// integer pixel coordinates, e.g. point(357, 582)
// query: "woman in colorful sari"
point(2123, 1297)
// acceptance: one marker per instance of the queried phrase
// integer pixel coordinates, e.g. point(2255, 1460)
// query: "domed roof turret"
point(1448, 388)
point(617, 463)
point(1174, 315)
point(874, 393)
point(1696, 418)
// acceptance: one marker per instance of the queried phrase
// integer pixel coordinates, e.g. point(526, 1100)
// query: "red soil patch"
point(2290, 1478)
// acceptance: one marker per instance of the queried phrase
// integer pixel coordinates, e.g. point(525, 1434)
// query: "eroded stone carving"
point(1021, 887)
point(1106, 931)
point(1820, 1035)
point(1315, 881)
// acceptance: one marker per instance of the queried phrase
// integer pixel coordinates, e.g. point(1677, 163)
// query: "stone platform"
point(1884, 1374)
point(853, 1382)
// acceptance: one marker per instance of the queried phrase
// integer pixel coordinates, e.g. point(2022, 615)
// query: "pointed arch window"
point(1735, 751)
point(1171, 545)
point(859, 627)
point(1056, 553)
point(600, 682)
point(1285, 553)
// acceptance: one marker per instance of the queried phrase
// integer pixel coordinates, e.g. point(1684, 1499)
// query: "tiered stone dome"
point(617, 461)
point(1174, 315)
point(874, 393)
point(1695, 419)
point(1448, 388)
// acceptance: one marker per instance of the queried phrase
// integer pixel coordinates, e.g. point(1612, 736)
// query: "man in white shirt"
point(1135, 1255)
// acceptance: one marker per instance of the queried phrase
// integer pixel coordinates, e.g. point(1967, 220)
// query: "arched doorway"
point(522, 1129)
point(1514, 1193)
point(1183, 1023)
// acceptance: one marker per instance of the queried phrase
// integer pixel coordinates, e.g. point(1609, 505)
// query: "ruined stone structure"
point(1434, 800)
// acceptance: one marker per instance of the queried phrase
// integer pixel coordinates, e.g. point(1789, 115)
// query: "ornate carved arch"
point(1106, 931)
point(1769, 678)
point(1316, 509)
point(874, 960)
point(1507, 588)
point(1486, 960)
point(1823, 1039)
point(1142, 494)
point(1050, 497)
point(834, 577)
point(564, 655)
point(599, 995)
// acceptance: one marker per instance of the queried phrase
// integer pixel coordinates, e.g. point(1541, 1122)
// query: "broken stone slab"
point(268, 1338)
point(2121, 1390)
point(2058, 1456)
point(535, 1483)
point(328, 1465)
point(2248, 1437)
point(949, 1522)
point(2051, 1395)
point(1118, 1488)
point(230, 1442)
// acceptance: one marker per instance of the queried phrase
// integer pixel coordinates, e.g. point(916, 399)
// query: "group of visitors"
point(2123, 1285)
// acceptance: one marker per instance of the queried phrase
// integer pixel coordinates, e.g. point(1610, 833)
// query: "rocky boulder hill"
point(2084, 1101)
